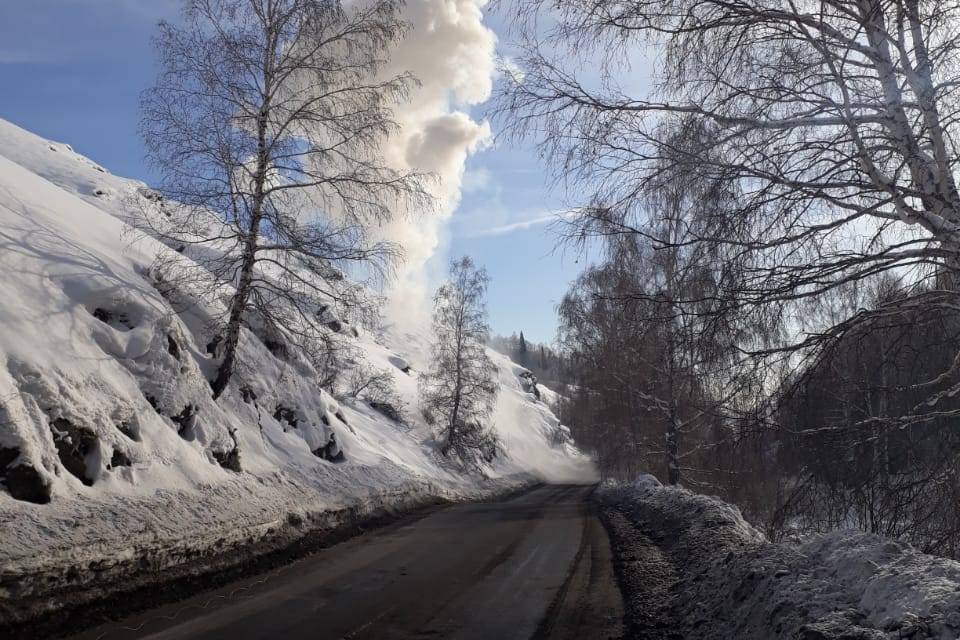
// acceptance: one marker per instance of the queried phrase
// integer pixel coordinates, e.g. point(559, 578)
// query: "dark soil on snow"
point(647, 579)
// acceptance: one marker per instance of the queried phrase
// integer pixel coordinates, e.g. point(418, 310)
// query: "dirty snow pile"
point(718, 577)
point(109, 440)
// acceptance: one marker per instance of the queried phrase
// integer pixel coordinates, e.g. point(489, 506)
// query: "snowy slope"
point(106, 417)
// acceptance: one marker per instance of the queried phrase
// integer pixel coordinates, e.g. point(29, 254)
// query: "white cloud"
point(520, 225)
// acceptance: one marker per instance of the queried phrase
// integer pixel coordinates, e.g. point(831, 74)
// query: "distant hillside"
point(545, 363)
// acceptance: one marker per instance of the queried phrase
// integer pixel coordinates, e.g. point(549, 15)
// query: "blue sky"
point(72, 70)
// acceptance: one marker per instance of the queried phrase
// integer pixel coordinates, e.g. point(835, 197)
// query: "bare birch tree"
point(459, 390)
point(265, 126)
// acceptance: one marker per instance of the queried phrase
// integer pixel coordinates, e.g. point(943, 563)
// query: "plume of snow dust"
point(452, 53)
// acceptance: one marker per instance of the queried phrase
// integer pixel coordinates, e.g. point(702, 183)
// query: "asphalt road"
point(537, 566)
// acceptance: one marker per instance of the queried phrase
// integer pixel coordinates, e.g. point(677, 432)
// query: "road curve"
point(537, 566)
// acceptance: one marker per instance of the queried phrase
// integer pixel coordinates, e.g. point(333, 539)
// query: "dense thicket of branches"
point(840, 459)
point(647, 386)
point(633, 405)
point(265, 126)
point(815, 146)
point(459, 390)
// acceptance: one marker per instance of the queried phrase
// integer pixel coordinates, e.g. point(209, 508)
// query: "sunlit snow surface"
point(86, 338)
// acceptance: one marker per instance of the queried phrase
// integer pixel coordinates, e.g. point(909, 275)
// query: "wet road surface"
point(536, 566)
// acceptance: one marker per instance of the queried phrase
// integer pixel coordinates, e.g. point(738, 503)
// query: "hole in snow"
point(387, 409)
point(400, 363)
point(277, 348)
point(270, 336)
point(77, 448)
point(129, 429)
point(153, 402)
point(186, 422)
point(248, 395)
point(8, 455)
point(23, 481)
point(214, 345)
point(119, 320)
point(119, 459)
point(229, 459)
point(173, 348)
point(286, 415)
point(330, 451)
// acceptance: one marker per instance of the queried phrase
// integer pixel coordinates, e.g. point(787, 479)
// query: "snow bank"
point(895, 586)
point(690, 520)
point(110, 444)
point(730, 582)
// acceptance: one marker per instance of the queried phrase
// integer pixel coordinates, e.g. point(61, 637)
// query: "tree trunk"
point(673, 451)
point(237, 307)
point(458, 387)
point(239, 302)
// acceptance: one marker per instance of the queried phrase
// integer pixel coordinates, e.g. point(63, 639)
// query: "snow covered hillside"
point(109, 439)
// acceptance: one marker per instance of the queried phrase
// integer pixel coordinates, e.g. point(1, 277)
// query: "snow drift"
point(110, 444)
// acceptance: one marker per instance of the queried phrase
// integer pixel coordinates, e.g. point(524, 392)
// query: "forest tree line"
point(541, 359)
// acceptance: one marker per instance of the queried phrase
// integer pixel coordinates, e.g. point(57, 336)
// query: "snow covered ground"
point(110, 445)
point(697, 569)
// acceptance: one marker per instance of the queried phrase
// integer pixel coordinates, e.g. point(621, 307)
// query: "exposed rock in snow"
point(528, 382)
point(78, 449)
point(119, 459)
point(400, 363)
point(388, 410)
point(22, 480)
